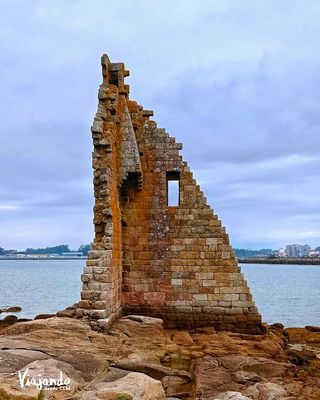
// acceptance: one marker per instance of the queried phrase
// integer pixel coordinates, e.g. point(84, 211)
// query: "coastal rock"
point(54, 323)
point(138, 386)
point(301, 356)
point(10, 319)
point(231, 396)
point(244, 364)
point(65, 380)
point(267, 391)
point(156, 371)
point(277, 325)
point(15, 359)
point(175, 386)
point(66, 313)
point(302, 335)
point(44, 316)
point(313, 328)
point(11, 309)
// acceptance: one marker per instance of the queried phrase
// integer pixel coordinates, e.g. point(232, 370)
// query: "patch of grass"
point(124, 397)
point(5, 396)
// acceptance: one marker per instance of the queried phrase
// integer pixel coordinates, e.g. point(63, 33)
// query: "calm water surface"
point(283, 293)
point(41, 286)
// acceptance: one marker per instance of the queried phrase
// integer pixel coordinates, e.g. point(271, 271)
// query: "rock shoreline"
point(139, 359)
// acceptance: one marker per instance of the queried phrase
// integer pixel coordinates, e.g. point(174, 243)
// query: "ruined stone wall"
point(102, 277)
point(148, 257)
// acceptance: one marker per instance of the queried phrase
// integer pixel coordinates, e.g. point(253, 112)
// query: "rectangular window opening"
point(173, 189)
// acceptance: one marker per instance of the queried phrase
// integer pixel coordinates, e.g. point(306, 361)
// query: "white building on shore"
point(297, 250)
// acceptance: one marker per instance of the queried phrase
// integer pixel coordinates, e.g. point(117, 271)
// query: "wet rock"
point(11, 309)
point(277, 325)
point(44, 316)
point(10, 319)
point(313, 328)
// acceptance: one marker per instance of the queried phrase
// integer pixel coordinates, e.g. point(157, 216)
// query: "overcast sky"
point(238, 82)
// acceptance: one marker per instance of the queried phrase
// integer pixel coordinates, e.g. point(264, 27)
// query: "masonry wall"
point(150, 258)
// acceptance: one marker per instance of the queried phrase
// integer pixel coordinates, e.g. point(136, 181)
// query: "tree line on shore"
point(84, 248)
point(62, 248)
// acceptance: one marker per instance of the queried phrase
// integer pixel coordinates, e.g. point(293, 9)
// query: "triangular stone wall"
point(150, 258)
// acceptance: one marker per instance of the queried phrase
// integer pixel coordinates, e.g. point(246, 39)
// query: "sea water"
point(283, 293)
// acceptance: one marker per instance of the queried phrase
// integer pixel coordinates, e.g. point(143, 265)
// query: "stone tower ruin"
point(154, 255)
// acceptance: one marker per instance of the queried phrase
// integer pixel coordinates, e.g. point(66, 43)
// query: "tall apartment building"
point(297, 250)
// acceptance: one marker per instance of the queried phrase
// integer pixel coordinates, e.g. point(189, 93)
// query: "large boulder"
point(138, 386)
point(58, 379)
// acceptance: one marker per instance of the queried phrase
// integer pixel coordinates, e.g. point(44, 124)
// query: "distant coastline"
point(282, 261)
point(243, 260)
point(31, 258)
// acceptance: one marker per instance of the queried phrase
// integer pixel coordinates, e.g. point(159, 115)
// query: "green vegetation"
point(63, 248)
point(5, 396)
point(124, 397)
point(246, 253)
point(84, 248)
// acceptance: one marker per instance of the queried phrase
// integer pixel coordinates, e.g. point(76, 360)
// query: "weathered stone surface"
point(44, 369)
point(268, 391)
point(231, 396)
point(14, 359)
point(260, 367)
point(148, 257)
point(136, 385)
point(66, 313)
point(154, 370)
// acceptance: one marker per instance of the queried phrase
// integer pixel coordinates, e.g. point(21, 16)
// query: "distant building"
point(37, 256)
point(282, 252)
point(72, 254)
point(297, 250)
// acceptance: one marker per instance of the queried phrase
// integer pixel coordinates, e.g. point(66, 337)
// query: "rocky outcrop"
point(134, 386)
point(14, 309)
point(139, 359)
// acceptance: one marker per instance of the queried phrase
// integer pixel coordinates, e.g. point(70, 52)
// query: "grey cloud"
point(236, 81)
